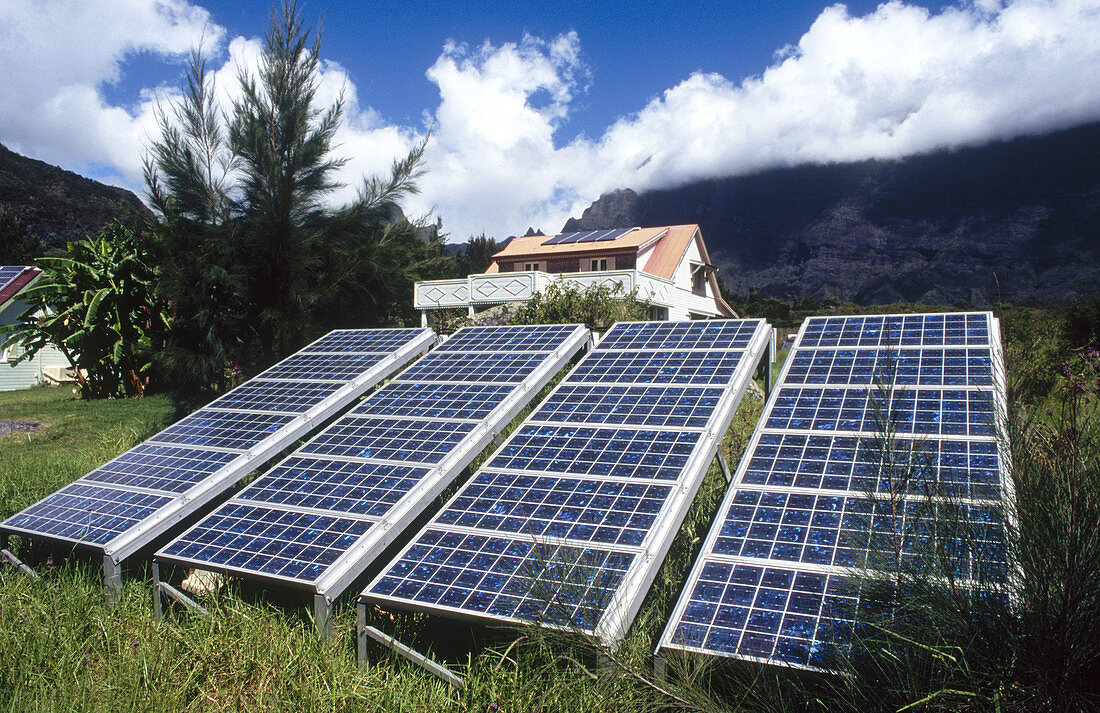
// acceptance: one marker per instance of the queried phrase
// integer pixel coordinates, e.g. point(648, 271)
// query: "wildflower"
point(49, 562)
point(494, 707)
point(135, 644)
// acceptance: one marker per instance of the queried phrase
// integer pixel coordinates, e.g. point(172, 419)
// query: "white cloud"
point(891, 83)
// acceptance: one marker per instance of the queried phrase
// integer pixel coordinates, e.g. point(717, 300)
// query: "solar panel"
point(370, 473)
point(124, 504)
point(587, 236)
point(569, 520)
point(9, 273)
point(813, 503)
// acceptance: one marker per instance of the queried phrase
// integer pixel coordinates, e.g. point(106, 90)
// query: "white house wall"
point(30, 372)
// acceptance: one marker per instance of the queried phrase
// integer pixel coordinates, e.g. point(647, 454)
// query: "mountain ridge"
point(1016, 220)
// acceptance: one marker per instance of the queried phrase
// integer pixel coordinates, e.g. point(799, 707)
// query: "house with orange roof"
point(668, 266)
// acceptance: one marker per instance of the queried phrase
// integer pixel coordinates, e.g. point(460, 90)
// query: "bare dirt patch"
point(8, 426)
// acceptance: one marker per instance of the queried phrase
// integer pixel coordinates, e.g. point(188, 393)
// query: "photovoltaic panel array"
point(125, 503)
point(823, 492)
point(319, 518)
point(568, 522)
point(588, 236)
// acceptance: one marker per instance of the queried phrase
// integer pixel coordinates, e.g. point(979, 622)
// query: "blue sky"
point(537, 110)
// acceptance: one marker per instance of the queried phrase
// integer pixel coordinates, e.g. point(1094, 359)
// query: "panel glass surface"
point(368, 489)
point(409, 440)
point(710, 335)
point(966, 469)
point(762, 612)
point(511, 579)
point(223, 429)
point(435, 400)
point(537, 506)
point(904, 367)
point(616, 453)
point(630, 405)
point(538, 338)
point(323, 367)
point(926, 330)
point(509, 368)
point(364, 340)
point(924, 411)
point(172, 469)
point(277, 396)
point(858, 532)
point(280, 543)
point(87, 513)
point(656, 367)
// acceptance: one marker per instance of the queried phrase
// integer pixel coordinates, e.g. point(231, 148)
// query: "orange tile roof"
point(669, 251)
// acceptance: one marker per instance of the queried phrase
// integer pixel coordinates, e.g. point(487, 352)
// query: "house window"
point(530, 267)
point(599, 265)
point(699, 279)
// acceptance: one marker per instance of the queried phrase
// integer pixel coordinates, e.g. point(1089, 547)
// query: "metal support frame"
point(112, 578)
point(764, 368)
point(164, 588)
point(724, 465)
point(6, 556)
point(322, 616)
point(406, 652)
point(660, 668)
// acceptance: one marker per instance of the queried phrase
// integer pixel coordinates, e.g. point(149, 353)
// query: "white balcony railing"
point(477, 290)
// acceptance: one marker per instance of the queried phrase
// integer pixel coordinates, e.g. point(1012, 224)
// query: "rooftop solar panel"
point(568, 522)
point(373, 471)
point(126, 503)
point(822, 492)
point(9, 273)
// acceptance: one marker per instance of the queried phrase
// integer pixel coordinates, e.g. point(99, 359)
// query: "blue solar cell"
point(540, 506)
point(657, 367)
point(167, 468)
point(710, 335)
point(928, 330)
point(222, 429)
point(381, 439)
point(510, 368)
point(618, 453)
point(364, 340)
point(276, 396)
point(434, 400)
point(322, 367)
point(905, 367)
point(279, 543)
point(544, 338)
point(518, 580)
point(630, 405)
point(858, 532)
point(768, 613)
point(367, 489)
point(918, 411)
point(968, 469)
point(87, 513)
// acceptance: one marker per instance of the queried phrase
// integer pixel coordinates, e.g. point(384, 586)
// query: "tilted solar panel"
point(319, 518)
point(128, 502)
point(568, 522)
point(9, 273)
point(823, 494)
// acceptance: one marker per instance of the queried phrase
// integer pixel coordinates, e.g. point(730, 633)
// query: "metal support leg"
point(158, 605)
point(112, 579)
point(768, 361)
point(724, 466)
point(660, 668)
point(361, 635)
point(415, 656)
point(6, 556)
point(423, 318)
point(322, 616)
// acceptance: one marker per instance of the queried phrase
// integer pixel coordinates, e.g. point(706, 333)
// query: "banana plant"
point(98, 306)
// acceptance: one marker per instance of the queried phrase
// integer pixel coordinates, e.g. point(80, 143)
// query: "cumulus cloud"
point(897, 81)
